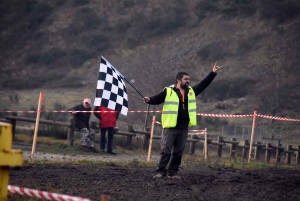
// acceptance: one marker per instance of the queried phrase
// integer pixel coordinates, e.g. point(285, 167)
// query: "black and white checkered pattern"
point(111, 89)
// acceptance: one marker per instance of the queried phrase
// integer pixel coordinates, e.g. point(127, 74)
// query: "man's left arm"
point(198, 88)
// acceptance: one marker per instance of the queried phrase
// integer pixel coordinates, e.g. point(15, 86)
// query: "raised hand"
point(216, 68)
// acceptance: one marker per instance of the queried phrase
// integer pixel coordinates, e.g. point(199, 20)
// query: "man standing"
point(82, 118)
point(179, 113)
point(108, 119)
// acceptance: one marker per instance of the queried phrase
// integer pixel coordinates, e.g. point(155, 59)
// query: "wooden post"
point(267, 155)
point(252, 136)
point(278, 151)
point(71, 130)
point(193, 145)
point(14, 124)
point(146, 118)
point(205, 145)
point(146, 139)
point(129, 137)
point(298, 156)
point(256, 151)
point(151, 137)
point(232, 148)
point(219, 147)
point(244, 151)
point(288, 154)
point(105, 198)
point(36, 125)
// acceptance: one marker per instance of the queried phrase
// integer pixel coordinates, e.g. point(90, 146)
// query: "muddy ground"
point(136, 183)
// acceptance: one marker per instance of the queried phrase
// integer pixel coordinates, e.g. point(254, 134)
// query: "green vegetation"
point(51, 145)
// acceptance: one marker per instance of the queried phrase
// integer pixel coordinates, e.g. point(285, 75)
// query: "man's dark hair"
point(180, 75)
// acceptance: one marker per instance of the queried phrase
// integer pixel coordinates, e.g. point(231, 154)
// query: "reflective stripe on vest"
point(170, 108)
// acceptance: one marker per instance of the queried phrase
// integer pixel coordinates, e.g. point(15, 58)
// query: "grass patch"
point(50, 145)
point(134, 162)
point(214, 162)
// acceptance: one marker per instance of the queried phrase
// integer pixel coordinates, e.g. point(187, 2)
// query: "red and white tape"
point(159, 111)
point(277, 118)
point(43, 194)
point(225, 115)
point(61, 111)
point(202, 131)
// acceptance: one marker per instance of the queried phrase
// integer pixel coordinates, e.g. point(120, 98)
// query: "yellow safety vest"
point(170, 108)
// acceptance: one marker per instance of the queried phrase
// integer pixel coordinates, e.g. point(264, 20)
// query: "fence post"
point(252, 137)
point(151, 138)
point(14, 124)
point(278, 151)
point(298, 156)
point(256, 151)
point(146, 139)
point(267, 155)
point(244, 152)
point(288, 154)
point(193, 145)
point(71, 130)
point(146, 119)
point(232, 147)
point(129, 138)
point(205, 147)
point(219, 147)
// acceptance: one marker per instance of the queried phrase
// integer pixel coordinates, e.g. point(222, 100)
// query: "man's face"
point(86, 105)
point(184, 82)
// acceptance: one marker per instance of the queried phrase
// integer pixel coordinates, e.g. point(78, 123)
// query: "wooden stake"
point(36, 126)
point(205, 144)
point(105, 198)
point(151, 137)
point(252, 136)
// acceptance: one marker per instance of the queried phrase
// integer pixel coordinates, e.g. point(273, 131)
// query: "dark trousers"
point(172, 147)
point(110, 137)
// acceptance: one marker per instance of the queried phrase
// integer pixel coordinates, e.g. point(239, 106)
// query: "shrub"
point(69, 82)
point(80, 2)
point(280, 11)
point(38, 13)
point(226, 89)
point(98, 42)
point(53, 57)
point(85, 20)
point(163, 21)
point(78, 57)
point(14, 98)
point(204, 8)
point(211, 51)
point(29, 82)
point(58, 132)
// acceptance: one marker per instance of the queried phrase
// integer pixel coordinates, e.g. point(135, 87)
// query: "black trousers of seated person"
point(172, 147)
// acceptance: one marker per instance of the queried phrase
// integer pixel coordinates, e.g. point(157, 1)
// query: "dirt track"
point(136, 183)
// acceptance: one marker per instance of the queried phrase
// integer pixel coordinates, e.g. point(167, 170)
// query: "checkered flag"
point(111, 89)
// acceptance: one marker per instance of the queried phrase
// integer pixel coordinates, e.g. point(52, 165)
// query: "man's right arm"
point(157, 99)
point(75, 108)
point(97, 114)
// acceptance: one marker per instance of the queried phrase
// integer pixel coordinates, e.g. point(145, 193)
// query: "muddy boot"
point(159, 176)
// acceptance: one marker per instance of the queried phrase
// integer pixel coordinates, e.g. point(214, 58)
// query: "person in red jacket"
point(108, 119)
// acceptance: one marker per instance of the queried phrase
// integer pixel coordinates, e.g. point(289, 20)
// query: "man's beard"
point(184, 86)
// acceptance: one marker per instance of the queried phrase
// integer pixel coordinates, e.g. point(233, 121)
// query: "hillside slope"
point(56, 46)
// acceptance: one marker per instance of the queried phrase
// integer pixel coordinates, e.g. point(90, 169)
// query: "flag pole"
point(133, 87)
